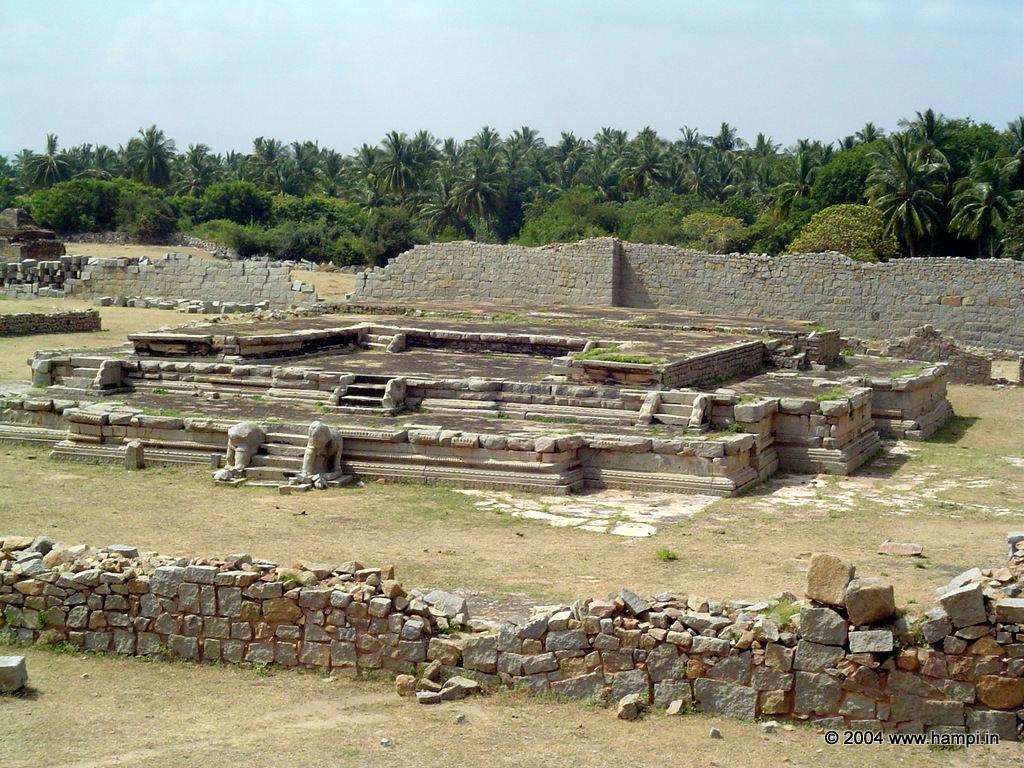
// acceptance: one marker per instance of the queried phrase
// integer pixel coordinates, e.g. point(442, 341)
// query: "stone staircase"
point(279, 459)
point(364, 395)
point(378, 341)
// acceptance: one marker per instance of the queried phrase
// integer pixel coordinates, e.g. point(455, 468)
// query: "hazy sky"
point(344, 73)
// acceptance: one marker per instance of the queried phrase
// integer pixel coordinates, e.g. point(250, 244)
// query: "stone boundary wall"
point(580, 273)
point(181, 276)
point(839, 667)
point(28, 323)
point(978, 302)
point(176, 276)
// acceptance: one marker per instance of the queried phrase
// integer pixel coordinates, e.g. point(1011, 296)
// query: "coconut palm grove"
point(935, 186)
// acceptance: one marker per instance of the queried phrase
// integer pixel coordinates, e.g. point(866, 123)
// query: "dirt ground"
point(92, 712)
point(131, 251)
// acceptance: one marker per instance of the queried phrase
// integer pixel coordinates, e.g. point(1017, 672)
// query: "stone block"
point(668, 691)
point(823, 626)
point(965, 605)
point(1000, 692)
point(813, 657)
point(869, 600)
point(827, 578)
point(13, 674)
point(871, 641)
point(584, 687)
point(1003, 724)
point(725, 699)
point(1010, 610)
point(633, 681)
point(816, 693)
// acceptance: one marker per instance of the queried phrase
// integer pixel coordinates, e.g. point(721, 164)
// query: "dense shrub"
point(856, 230)
point(237, 201)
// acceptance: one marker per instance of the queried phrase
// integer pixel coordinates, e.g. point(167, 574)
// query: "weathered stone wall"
point(181, 276)
point(977, 302)
point(580, 273)
point(176, 276)
point(27, 323)
point(838, 667)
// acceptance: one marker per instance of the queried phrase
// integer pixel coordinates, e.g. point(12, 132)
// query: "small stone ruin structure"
point(21, 238)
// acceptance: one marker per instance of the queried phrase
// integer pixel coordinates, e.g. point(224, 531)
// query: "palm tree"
point(906, 189)
point(691, 139)
point(1015, 135)
point(984, 200)
point(333, 167)
point(195, 170)
point(802, 171)
point(149, 158)
point(478, 192)
point(305, 165)
point(726, 139)
point(568, 158)
point(265, 165)
point(397, 166)
point(869, 133)
point(643, 164)
point(930, 132)
point(764, 146)
point(51, 167)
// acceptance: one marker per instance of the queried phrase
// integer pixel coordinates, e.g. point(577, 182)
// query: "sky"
point(345, 73)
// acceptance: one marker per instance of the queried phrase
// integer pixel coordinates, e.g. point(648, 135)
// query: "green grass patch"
point(612, 355)
point(835, 393)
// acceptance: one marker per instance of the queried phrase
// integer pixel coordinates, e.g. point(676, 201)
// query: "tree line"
point(936, 186)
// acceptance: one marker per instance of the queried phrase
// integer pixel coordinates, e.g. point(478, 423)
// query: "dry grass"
point(86, 711)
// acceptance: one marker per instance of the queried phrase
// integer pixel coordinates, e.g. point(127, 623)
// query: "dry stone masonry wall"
point(837, 664)
point(28, 323)
point(978, 302)
point(176, 276)
point(580, 273)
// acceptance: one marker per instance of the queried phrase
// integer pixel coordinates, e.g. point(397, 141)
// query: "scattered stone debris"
point(900, 550)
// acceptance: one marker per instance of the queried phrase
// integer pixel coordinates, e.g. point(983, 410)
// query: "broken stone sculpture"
point(244, 440)
point(700, 416)
point(394, 394)
point(321, 463)
point(109, 375)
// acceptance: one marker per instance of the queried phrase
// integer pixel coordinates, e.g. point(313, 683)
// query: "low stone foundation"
point(29, 323)
point(838, 665)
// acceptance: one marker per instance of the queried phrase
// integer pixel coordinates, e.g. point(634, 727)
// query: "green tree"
point(984, 200)
point(195, 171)
point(149, 158)
point(802, 171)
point(237, 201)
point(712, 233)
point(906, 188)
point(858, 231)
point(47, 169)
point(1013, 233)
point(643, 165)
